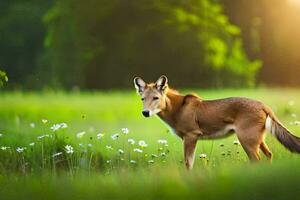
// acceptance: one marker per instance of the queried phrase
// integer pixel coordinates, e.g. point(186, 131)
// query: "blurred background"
point(103, 44)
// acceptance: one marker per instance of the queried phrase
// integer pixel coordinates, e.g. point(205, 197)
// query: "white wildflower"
point(120, 151)
point(1, 134)
point(90, 145)
point(32, 125)
point(20, 149)
point(31, 144)
point(236, 142)
point(125, 130)
point(138, 150)
point(163, 154)
point(115, 136)
point(297, 123)
point(100, 136)
point(151, 161)
point(69, 149)
point(109, 147)
point(55, 127)
point(42, 136)
point(44, 121)
point(4, 148)
point(80, 134)
point(56, 154)
point(202, 155)
point(63, 125)
point(154, 155)
point(108, 161)
point(131, 141)
point(142, 143)
point(132, 161)
point(161, 141)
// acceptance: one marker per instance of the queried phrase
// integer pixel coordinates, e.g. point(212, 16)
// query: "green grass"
point(93, 171)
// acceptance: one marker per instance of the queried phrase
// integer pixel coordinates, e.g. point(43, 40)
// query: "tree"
point(104, 43)
point(21, 37)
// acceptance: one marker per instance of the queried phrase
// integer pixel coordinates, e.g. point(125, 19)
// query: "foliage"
point(103, 44)
point(3, 78)
point(21, 38)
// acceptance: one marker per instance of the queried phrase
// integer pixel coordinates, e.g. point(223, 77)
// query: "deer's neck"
point(174, 101)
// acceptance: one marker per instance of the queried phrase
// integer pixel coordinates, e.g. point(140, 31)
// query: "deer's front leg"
point(189, 143)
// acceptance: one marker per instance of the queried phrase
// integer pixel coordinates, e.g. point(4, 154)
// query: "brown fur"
point(192, 119)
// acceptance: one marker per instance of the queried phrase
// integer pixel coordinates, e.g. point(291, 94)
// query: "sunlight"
point(295, 2)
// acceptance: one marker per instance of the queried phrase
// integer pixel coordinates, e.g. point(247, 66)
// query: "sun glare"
point(295, 2)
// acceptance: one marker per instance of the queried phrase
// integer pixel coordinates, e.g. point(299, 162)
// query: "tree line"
point(103, 44)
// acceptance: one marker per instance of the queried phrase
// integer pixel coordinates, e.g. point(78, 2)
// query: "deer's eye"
point(142, 99)
point(155, 98)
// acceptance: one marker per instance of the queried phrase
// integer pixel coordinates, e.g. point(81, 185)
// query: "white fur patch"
point(155, 111)
point(224, 132)
point(221, 133)
point(268, 125)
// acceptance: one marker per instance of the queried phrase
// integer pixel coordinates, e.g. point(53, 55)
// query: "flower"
point(154, 155)
point(44, 121)
point(31, 144)
point(151, 161)
point(108, 161)
point(56, 154)
point(42, 136)
point(202, 155)
point(115, 136)
point(1, 134)
point(56, 127)
point(297, 123)
point(161, 141)
point(4, 148)
point(32, 125)
point(90, 145)
point(163, 154)
point(20, 149)
point(80, 134)
point(63, 125)
point(120, 151)
point(142, 143)
point(138, 150)
point(132, 161)
point(100, 136)
point(125, 130)
point(81, 145)
point(109, 147)
point(131, 141)
point(69, 149)
point(236, 142)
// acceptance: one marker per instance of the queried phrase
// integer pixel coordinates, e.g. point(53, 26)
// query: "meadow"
point(97, 145)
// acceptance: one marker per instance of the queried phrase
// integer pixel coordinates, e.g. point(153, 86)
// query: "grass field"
point(76, 145)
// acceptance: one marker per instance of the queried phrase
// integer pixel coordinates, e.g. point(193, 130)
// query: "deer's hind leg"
point(251, 139)
point(265, 149)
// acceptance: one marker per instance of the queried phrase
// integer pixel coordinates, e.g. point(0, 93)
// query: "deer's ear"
point(139, 84)
point(162, 83)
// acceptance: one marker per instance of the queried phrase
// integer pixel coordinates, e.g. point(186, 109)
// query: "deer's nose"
point(146, 113)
